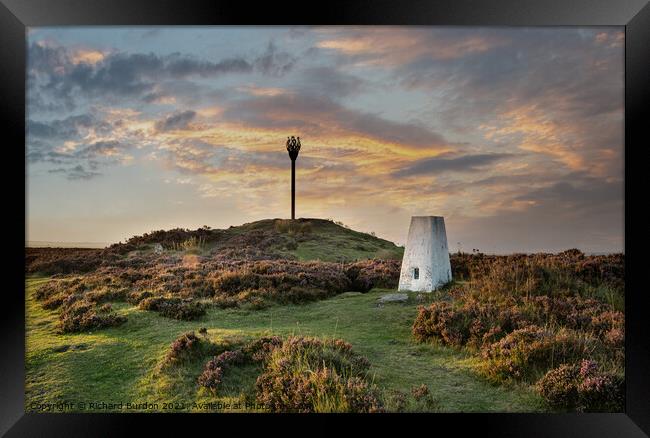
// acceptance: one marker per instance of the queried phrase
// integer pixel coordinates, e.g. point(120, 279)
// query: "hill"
point(301, 239)
point(269, 239)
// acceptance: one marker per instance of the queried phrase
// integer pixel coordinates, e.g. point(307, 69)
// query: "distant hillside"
point(301, 239)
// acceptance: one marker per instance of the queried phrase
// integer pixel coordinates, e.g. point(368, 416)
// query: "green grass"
point(330, 242)
point(305, 239)
point(120, 364)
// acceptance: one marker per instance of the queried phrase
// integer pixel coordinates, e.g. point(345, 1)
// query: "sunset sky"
point(514, 135)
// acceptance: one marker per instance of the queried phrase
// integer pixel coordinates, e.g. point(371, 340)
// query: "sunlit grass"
point(121, 363)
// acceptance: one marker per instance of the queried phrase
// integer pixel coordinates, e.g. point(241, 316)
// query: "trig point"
point(425, 265)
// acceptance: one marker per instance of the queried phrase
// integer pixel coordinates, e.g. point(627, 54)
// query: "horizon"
point(101, 245)
point(513, 135)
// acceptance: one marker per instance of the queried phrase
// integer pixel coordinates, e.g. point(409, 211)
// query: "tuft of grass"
point(194, 244)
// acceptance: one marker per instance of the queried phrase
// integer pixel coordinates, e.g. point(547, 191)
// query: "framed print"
point(416, 212)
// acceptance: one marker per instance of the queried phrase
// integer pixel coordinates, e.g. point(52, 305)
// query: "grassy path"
point(119, 364)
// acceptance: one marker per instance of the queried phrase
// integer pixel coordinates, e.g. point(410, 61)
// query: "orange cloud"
point(87, 56)
point(262, 91)
point(539, 133)
point(390, 46)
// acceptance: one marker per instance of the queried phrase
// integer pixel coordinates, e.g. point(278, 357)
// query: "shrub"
point(234, 282)
point(440, 321)
point(215, 368)
point(55, 301)
point(135, 297)
point(505, 328)
point(229, 278)
point(211, 376)
point(559, 387)
point(368, 274)
point(187, 347)
point(420, 392)
point(185, 310)
point(230, 358)
point(540, 274)
point(469, 321)
point(50, 261)
point(602, 393)
point(525, 353)
point(260, 349)
point(310, 375)
point(176, 308)
point(582, 386)
point(82, 315)
point(105, 294)
point(225, 301)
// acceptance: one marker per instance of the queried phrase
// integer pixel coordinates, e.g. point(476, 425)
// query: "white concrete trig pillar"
point(425, 266)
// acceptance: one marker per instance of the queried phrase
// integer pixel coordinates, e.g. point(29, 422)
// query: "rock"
point(157, 248)
point(61, 348)
point(393, 298)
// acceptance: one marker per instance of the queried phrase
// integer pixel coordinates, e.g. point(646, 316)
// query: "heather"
point(583, 386)
point(312, 375)
point(525, 315)
point(183, 289)
point(185, 348)
point(82, 315)
point(299, 374)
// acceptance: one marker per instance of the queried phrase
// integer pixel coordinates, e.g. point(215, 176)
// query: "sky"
point(514, 135)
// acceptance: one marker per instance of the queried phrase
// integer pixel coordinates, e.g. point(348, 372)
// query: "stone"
point(425, 266)
point(393, 298)
point(157, 248)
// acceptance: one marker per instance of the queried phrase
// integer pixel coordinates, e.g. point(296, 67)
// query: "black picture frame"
point(16, 15)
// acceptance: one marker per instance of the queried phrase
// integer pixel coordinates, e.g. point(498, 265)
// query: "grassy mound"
point(300, 239)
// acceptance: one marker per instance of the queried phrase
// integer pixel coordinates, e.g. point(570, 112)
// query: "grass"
point(120, 364)
point(324, 240)
point(315, 239)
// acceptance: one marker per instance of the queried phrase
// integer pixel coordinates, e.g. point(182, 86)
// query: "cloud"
point(87, 56)
point(262, 91)
point(57, 71)
point(196, 156)
point(273, 62)
point(85, 142)
point(179, 120)
point(465, 163)
point(319, 115)
point(103, 148)
point(541, 90)
point(328, 81)
point(389, 46)
point(578, 211)
point(60, 129)
point(76, 173)
point(577, 192)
